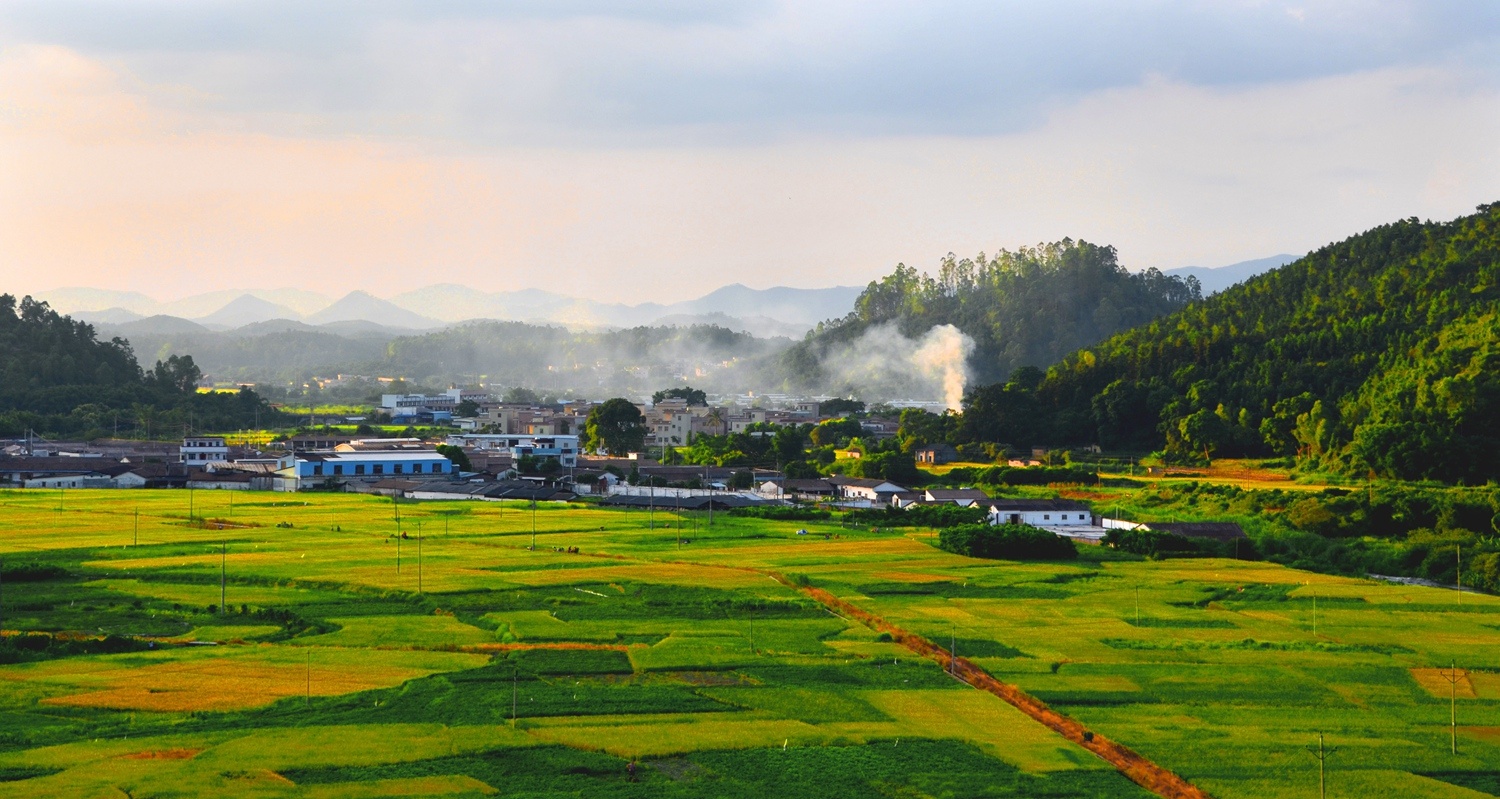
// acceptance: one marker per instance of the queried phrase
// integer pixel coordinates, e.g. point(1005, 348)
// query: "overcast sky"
point(658, 150)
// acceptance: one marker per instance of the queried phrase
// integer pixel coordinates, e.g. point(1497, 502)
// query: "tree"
point(466, 408)
point(522, 396)
point(788, 444)
point(615, 426)
point(689, 394)
point(838, 406)
point(177, 374)
point(457, 455)
point(835, 432)
point(999, 413)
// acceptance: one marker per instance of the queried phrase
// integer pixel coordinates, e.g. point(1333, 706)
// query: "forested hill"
point(57, 378)
point(1377, 354)
point(1025, 308)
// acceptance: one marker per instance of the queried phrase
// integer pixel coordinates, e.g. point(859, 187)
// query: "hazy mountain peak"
point(1214, 279)
point(248, 309)
point(361, 306)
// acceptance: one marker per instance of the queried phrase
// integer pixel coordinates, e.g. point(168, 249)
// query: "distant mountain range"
point(772, 312)
point(778, 311)
point(1215, 279)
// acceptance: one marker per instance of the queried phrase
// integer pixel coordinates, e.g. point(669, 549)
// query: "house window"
point(379, 468)
point(338, 468)
point(359, 468)
point(1046, 516)
point(317, 468)
point(1065, 517)
point(398, 468)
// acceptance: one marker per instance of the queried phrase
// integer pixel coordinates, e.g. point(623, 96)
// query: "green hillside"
point(1025, 308)
point(58, 378)
point(1375, 355)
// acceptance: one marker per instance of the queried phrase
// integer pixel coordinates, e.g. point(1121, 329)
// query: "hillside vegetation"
point(1030, 307)
point(57, 377)
point(1375, 355)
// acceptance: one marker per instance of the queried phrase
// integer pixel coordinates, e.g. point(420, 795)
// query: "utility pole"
point(190, 503)
point(398, 551)
point(1322, 754)
point(136, 538)
point(1315, 613)
point(1452, 676)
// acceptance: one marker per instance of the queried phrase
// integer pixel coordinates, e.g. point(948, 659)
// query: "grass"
point(690, 657)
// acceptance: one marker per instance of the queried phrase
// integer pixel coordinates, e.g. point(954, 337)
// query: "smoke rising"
point(883, 364)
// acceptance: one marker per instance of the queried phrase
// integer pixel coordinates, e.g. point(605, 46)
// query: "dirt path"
point(1141, 771)
point(1138, 769)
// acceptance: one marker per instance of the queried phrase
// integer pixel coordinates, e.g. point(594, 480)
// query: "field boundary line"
point(1134, 766)
point(1130, 763)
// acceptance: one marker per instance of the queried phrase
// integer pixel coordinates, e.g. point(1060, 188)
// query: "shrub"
point(1006, 542)
point(935, 516)
point(1035, 475)
point(786, 514)
point(1155, 543)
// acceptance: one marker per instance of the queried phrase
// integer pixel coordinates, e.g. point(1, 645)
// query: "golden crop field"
point(440, 622)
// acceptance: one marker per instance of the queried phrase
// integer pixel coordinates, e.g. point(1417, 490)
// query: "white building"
point(870, 490)
point(1040, 512)
point(411, 402)
point(563, 449)
point(202, 449)
point(299, 470)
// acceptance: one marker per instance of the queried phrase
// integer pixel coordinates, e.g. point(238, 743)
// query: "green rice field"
point(168, 643)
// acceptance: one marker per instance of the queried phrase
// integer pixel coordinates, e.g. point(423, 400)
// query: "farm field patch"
point(699, 653)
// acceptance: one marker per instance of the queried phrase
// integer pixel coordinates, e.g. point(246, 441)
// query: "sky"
point(655, 151)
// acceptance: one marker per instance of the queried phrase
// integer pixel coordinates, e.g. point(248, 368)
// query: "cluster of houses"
point(414, 468)
point(670, 422)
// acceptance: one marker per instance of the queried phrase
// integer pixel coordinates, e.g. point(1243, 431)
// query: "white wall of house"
point(130, 480)
point(202, 449)
point(1041, 518)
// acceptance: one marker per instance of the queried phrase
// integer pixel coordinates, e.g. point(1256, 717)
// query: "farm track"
point(1138, 769)
point(1135, 767)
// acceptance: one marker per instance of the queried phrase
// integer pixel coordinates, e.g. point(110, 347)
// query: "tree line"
point(58, 379)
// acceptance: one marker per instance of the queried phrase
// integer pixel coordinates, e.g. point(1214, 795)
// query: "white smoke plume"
point(883, 364)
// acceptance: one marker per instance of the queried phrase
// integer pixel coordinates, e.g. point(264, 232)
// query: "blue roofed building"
point(296, 471)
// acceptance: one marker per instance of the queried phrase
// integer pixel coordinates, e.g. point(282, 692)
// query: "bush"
point(1035, 475)
point(934, 516)
point(1156, 544)
point(1006, 542)
point(785, 514)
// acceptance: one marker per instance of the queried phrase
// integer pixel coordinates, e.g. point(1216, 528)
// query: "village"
point(532, 452)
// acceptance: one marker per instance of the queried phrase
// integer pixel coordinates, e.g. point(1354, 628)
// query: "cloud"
point(673, 73)
point(112, 180)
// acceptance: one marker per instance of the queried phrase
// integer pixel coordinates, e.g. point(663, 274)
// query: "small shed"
point(936, 454)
